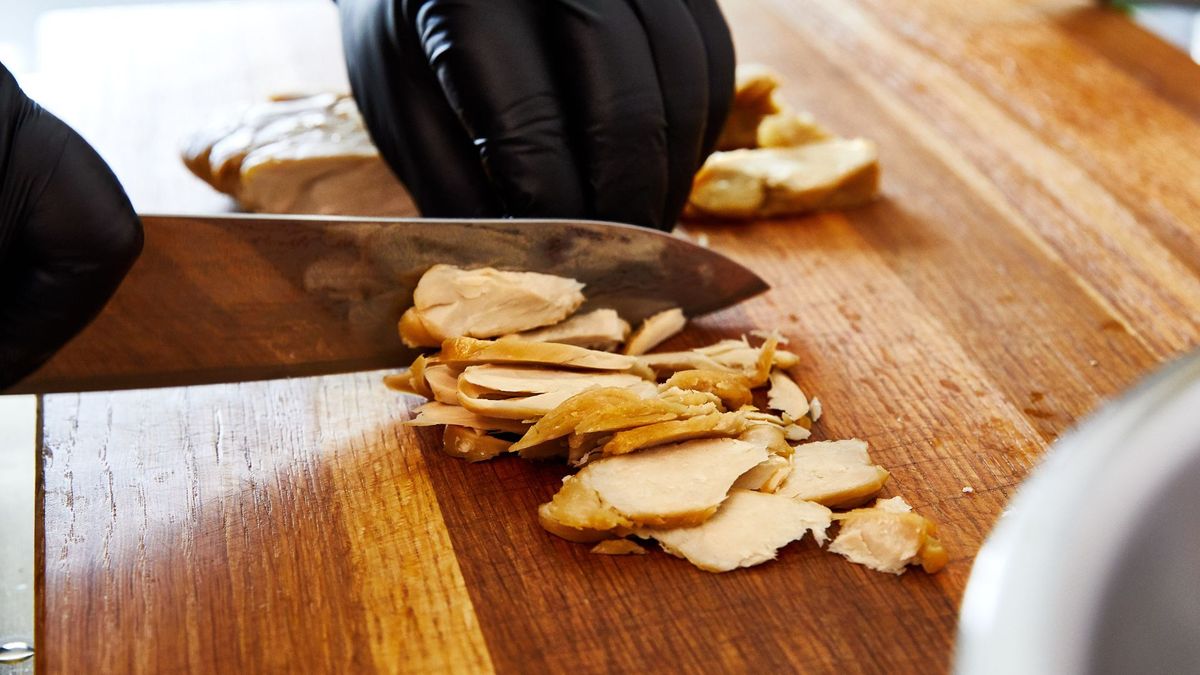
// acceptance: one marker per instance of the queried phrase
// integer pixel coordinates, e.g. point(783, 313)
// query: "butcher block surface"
point(1036, 250)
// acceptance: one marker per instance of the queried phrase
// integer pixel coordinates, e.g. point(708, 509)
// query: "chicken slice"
point(434, 413)
point(536, 405)
point(767, 476)
point(500, 380)
point(838, 474)
point(668, 486)
point(655, 330)
point(465, 351)
point(734, 356)
point(888, 537)
point(753, 100)
point(602, 329)
point(472, 445)
point(564, 419)
point(788, 128)
point(786, 396)
point(619, 547)
point(732, 388)
point(452, 302)
point(411, 381)
point(714, 425)
point(748, 529)
point(767, 434)
point(832, 174)
point(442, 381)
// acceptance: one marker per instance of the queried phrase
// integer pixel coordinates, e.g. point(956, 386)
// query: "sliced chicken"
point(832, 174)
point(888, 537)
point(602, 329)
point(300, 154)
point(656, 330)
point(619, 547)
point(788, 128)
point(767, 434)
point(734, 356)
point(442, 381)
point(527, 407)
point(563, 420)
point(465, 351)
point(714, 425)
point(838, 474)
point(434, 413)
point(732, 388)
point(753, 100)
point(668, 486)
point(451, 302)
point(411, 381)
point(748, 529)
point(472, 445)
point(767, 476)
point(786, 396)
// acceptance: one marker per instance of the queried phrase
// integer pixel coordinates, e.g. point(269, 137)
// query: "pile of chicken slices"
point(670, 446)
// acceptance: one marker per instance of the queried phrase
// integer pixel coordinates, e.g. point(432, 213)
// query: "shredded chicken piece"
point(472, 445)
point(714, 425)
point(888, 537)
point(838, 474)
point(668, 486)
point(491, 379)
point(655, 330)
point(465, 351)
point(788, 128)
point(602, 329)
point(619, 547)
point(767, 434)
point(733, 356)
point(564, 419)
point(412, 381)
point(434, 413)
point(748, 529)
point(767, 476)
point(452, 302)
point(732, 388)
point(832, 174)
point(753, 100)
point(442, 382)
point(786, 396)
point(532, 406)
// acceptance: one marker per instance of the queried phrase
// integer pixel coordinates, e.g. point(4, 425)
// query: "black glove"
point(542, 108)
point(68, 234)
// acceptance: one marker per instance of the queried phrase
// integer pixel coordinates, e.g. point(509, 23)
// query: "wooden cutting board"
point(1037, 250)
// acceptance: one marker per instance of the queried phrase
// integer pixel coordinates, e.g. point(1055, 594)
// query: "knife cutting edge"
point(222, 298)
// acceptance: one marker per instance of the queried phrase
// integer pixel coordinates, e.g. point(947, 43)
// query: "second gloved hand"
point(554, 108)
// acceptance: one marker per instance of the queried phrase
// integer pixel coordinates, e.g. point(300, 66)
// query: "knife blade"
point(224, 298)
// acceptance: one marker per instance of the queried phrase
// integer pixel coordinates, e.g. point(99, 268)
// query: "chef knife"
point(223, 298)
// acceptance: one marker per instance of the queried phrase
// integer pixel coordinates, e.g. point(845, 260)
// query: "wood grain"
point(264, 527)
point(1036, 251)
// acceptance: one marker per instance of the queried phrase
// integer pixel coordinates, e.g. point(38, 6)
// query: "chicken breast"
point(831, 174)
point(465, 351)
point(602, 329)
point(667, 486)
point(303, 154)
point(838, 474)
point(786, 396)
point(767, 476)
point(748, 529)
point(888, 537)
point(435, 413)
point(451, 302)
point(656, 330)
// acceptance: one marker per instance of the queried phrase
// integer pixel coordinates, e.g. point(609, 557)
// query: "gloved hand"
point(68, 234)
point(542, 108)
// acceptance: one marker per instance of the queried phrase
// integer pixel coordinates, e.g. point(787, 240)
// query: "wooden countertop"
point(1037, 251)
